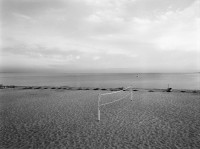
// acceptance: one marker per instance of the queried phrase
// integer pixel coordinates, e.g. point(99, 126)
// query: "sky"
point(100, 35)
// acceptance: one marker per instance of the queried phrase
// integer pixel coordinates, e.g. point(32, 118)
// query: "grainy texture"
point(68, 119)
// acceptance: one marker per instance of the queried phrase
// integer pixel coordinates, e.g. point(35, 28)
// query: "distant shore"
point(95, 88)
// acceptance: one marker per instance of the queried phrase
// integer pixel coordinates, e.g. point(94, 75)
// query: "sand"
point(67, 118)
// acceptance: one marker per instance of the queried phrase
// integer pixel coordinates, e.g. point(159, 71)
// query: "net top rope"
point(113, 101)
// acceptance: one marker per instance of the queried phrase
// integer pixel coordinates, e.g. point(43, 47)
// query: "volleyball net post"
point(99, 99)
point(131, 90)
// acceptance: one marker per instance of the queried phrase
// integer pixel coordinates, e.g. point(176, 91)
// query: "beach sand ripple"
point(68, 119)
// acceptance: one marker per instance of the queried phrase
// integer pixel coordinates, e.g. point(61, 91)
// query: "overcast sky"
point(100, 35)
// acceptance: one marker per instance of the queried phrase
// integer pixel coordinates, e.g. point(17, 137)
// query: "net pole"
point(99, 98)
point(131, 93)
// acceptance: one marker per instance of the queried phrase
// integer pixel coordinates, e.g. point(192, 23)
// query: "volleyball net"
point(113, 97)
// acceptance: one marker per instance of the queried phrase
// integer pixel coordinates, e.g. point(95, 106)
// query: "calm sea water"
point(144, 80)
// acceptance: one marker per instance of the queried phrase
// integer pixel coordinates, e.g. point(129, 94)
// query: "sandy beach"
point(99, 74)
point(66, 117)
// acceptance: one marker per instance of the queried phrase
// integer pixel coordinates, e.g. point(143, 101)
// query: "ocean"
point(141, 80)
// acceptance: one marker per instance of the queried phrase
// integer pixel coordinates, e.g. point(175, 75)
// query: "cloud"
point(154, 8)
point(96, 58)
point(102, 33)
point(30, 7)
point(40, 51)
point(181, 30)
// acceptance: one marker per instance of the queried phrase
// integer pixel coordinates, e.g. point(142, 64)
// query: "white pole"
point(131, 93)
point(99, 98)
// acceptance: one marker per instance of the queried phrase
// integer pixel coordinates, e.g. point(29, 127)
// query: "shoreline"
point(96, 88)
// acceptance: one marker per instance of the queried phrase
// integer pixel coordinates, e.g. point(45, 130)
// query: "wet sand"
point(96, 88)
